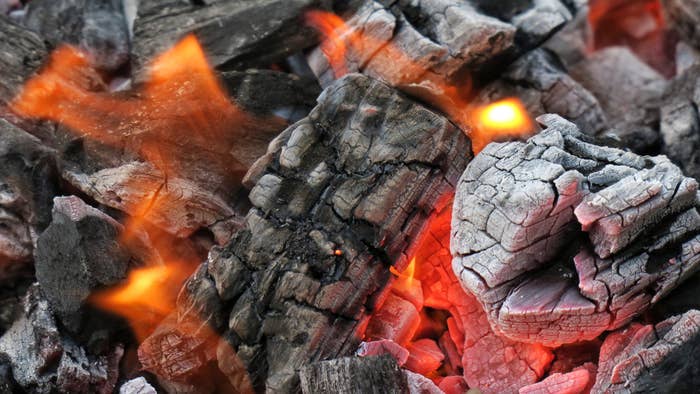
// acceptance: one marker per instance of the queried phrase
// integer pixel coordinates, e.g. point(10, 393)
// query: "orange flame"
point(505, 118)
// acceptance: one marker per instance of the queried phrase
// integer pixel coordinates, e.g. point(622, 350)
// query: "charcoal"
point(419, 384)
point(79, 251)
point(354, 375)
point(267, 92)
point(574, 382)
point(235, 34)
point(425, 45)
point(22, 52)
point(27, 183)
point(336, 200)
point(684, 17)
point(571, 43)
point(137, 386)
point(680, 121)
point(541, 83)
point(524, 211)
point(629, 92)
point(45, 360)
point(686, 57)
point(6, 6)
point(660, 358)
point(98, 27)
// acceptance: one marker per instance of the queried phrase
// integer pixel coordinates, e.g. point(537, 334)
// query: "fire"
point(407, 274)
point(505, 118)
point(333, 28)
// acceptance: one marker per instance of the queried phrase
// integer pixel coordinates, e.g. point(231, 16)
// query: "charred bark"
point(337, 199)
point(354, 375)
point(516, 229)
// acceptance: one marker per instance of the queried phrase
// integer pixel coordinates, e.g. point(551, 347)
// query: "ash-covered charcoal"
point(235, 34)
point(660, 358)
point(337, 199)
point(517, 225)
point(22, 52)
point(267, 92)
point(629, 92)
point(45, 360)
point(97, 26)
point(137, 386)
point(680, 121)
point(428, 45)
point(28, 179)
point(350, 375)
point(684, 17)
point(574, 382)
point(81, 250)
point(542, 84)
point(572, 42)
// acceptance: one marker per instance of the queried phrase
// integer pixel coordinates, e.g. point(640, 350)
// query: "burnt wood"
point(350, 375)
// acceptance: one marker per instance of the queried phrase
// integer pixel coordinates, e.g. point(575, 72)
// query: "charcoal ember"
point(235, 35)
point(27, 186)
point(517, 222)
point(574, 382)
point(686, 57)
point(684, 17)
point(45, 360)
point(491, 363)
point(419, 384)
point(353, 375)
point(629, 92)
point(338, 198)
point(384, 346)
point(541, 83)
point(397, 320)
point(644, 358)
point(79, 251)
point(572, 42)
point(22, 52)
point(137, 386)
point(571, 356)
point(424, 45)
point(453, 385)
point(267, 92)
point(680, 121)
point(98, 27)
point(424, 356)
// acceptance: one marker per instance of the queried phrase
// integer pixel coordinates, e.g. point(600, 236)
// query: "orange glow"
point(333, 28)
point(505, 118)
point(407, 274)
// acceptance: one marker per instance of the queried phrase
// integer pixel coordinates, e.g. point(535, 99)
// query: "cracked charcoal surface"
point(235, 34)
point(27, 186)
point(360, 176)
point(44, 360)
point(684, 17)
point(680, 121)
point(660, 358)
point(97, 26)
point(354, 375)
point(416, 44)
point(518, 246)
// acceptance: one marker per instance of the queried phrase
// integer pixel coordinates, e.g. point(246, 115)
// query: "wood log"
point(660, 358)
point(235, 35)
point(517, 222)
point(349, 375)
point(337, 200)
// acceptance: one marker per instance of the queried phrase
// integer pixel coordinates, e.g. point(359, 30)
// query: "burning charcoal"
point(266, 92)
point(384, 346)
point(137, 386)
point(236, 35)
point(79, 251)
point(98, 27)
point(397, 319)
point(353, 375)
point(424, 356)
point(517, 218)
point(419, 384)
point(629, 92)
point(453, 385)
point(569, 383)
point(27, 186)
point(684, 17)
point(543, 86)
point(661, 358)
point(571, 43)
point(350, 192)
point(45, 361)
point(680, 121)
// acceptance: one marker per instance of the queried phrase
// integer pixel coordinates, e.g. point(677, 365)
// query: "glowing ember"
point(407, 274)
point(505, 118)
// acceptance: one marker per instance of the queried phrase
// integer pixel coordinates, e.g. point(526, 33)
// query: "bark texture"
point(337, 199)
point(561, 239)
point(354, 375)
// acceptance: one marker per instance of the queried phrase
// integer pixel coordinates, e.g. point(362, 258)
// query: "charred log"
point(662, 358)
point(354, 375)
point(516, 229)
point(236, 35)
point(337, 199)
